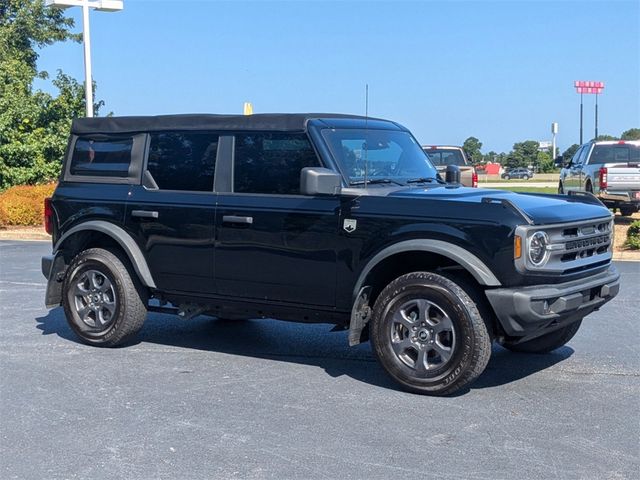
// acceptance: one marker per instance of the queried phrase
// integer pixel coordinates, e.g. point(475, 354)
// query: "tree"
point(472, 146)
point(544, 162)
point(523, 154)
point(33, 124)
point(570, 152)
point(490, 157)
point(605, 138)
point(631, 134)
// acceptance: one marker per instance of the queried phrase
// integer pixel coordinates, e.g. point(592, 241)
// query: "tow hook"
point(187, 311)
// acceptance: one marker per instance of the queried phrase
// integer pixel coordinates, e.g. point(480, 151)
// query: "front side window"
point(271, 162)
point(583, 154)
point(577, 155)
point(378, 155)
point(102, 156)
point(183, 160)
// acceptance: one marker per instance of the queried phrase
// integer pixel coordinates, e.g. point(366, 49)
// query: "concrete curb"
point(24, 235)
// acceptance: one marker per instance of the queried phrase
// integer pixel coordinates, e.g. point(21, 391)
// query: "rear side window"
point(183, 160)
point(271, 162)
point(102, 156)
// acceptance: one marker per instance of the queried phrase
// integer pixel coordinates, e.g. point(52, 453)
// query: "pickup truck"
point(608, 169)
point(325, 218)
point(442, 156)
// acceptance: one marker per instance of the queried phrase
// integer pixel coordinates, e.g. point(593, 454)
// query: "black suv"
point(317, 218)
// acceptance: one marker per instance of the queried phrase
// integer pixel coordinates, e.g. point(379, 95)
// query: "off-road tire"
point(470, 352)
point(588, 187)
point(627, 211)
point(129, 297)
point(546, 343)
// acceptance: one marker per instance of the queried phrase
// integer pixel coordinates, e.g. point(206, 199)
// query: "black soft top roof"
point(282, 122)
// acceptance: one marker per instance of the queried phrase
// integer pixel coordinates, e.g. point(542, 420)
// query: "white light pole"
point(102, 6)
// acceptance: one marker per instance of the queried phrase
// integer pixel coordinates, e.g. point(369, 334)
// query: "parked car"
point(441, 156)
point(523, 173)
point(317, 218)
point(609, 169)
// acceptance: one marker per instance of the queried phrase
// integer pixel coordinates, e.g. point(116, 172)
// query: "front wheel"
point(428, 334)
point(507, 177)
point(103, 302)
point(560, 189)
point(526, 177)
point(546, 343)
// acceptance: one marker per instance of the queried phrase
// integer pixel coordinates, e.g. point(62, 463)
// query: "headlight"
point(538, 248)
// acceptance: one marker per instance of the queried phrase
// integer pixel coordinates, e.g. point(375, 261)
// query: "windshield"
point(625, 152)
point(389, 155)
point(445, 156)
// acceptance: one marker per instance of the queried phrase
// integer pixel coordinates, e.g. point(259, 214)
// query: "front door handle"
point(237, 219)
point(144, 213)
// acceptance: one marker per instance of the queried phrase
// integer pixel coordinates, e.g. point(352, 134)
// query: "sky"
point(501, 71)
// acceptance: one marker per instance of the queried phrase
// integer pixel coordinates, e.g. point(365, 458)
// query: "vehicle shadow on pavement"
point(307, 344)
point(506, 367)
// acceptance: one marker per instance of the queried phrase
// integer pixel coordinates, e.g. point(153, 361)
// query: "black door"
point(172, 214)
point(273, 244)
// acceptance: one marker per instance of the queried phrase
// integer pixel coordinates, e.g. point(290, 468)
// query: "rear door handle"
point(144, 213)
point(237, 219)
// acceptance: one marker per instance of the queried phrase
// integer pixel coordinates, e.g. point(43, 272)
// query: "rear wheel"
point(589, 187)
point(428, 334)
point(103, 302)
point(546, 343)
point(627, 211)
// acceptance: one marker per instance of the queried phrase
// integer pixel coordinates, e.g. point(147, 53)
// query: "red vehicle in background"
point(441, 156)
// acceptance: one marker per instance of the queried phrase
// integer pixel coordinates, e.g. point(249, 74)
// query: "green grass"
point(529, 189)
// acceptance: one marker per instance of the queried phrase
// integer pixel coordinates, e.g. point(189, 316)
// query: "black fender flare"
point(361, 311)
point(470, 262)
point(125, 241)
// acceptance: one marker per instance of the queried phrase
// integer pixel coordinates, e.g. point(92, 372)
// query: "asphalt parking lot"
point(274, 400)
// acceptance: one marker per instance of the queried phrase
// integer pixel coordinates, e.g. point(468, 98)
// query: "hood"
point(541, 208)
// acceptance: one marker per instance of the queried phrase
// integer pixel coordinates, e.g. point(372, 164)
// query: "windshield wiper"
point(374, 181)
point(425, 180)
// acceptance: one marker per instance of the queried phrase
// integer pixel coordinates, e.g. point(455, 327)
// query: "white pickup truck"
point(608, 169)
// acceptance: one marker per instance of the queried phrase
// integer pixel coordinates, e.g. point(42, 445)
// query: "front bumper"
point(528, 312)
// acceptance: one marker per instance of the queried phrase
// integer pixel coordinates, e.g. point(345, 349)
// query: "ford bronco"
point(317, 218)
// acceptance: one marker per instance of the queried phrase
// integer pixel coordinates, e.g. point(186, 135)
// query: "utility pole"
point(101, 6)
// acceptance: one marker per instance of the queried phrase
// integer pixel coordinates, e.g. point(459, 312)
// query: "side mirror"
point(452, 174)
point(559, 161)
point(319, 181)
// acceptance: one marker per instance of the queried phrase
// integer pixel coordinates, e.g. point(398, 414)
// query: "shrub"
point(24, 205)
point(633, 235)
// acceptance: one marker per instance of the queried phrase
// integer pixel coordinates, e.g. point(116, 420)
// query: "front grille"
point(584, 241)
point(573, 247)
